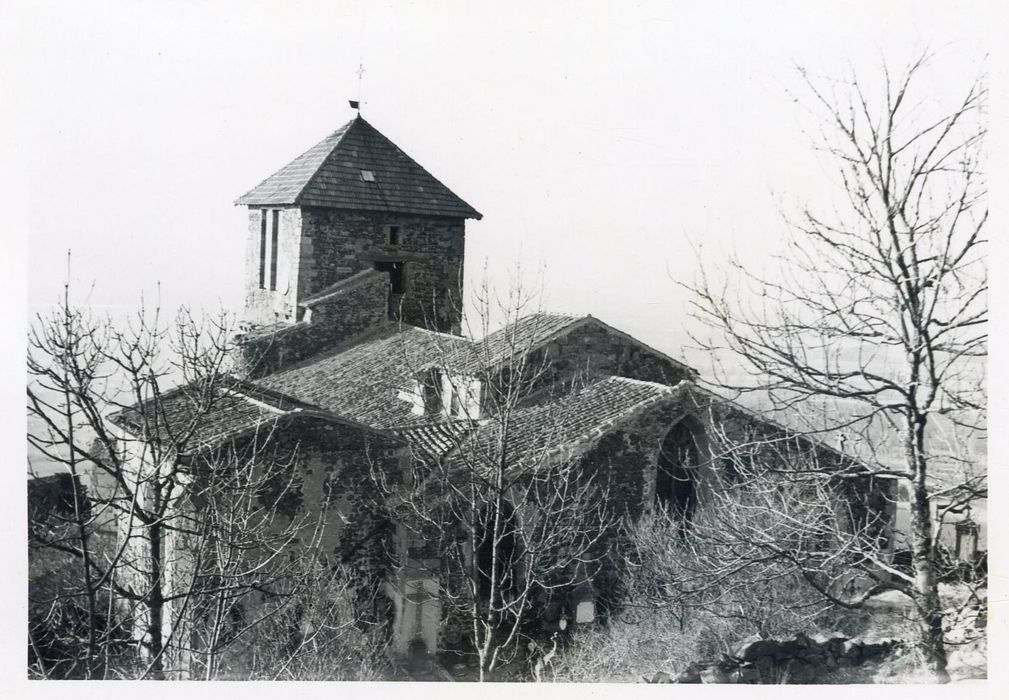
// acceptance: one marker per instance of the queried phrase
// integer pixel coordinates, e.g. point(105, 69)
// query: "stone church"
point(352, 349)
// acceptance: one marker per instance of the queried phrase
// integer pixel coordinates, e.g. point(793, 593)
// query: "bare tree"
point(503, 518)
point(781, 510)
point(247, 553)
point(184, 542)
point(879, 310)
point(314, 630)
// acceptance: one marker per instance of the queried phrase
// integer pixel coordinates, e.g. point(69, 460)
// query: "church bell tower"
point(354, 212)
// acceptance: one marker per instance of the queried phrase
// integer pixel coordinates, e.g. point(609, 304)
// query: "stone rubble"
point(797, 660)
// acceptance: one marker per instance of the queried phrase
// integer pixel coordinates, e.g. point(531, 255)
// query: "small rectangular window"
point(392, 235)
point(262, 249)
point(273, 249)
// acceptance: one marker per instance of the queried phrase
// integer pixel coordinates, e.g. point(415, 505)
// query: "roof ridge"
point(387, 330)
point(378, 333)
point(331, 174)
point(220, 381)
point(431, 331)
point(346, 128)
point(253, 391)
point(598, 426)
point(476, 215)
point(426, 425)
point(485, 343)
point(339, 286)
point(640, 343)
point(642, 382)
point(631, 412)
point(527, 317)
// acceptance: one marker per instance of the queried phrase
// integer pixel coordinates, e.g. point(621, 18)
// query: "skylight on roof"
point(367, 176)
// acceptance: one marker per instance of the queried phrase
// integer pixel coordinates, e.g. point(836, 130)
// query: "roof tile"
point(329, 175)
point(194, 417)
point(579, 418)
point(364, 381)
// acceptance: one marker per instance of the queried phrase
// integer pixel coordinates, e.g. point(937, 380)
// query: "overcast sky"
point(597, 139)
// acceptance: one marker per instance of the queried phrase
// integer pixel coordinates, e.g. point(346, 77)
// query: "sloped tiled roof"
point(578, 419)
point(330, 175)
point(194, 418)
point(521, 336)
point(364, 382)
point(344, 285)
point(530, 332)
point(432, 440)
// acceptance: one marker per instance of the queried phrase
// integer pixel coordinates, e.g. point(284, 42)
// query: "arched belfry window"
point(676, 478)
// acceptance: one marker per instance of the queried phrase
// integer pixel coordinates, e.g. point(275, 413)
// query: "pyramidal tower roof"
point(356, 167)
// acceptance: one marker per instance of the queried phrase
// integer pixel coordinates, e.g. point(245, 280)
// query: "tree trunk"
point(926, 586)
point(155, 606)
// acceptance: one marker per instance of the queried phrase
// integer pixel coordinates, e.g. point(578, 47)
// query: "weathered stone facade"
point(336, 244)
point(627, 458)
point(593, 349)
point(317, 248)
point(355, 308)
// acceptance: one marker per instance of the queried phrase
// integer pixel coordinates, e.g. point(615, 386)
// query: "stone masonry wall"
point(332, 485)
point(592, 350)
point(869, 500)
point(337, 244)
point(626, 459)
point(336, 464)
point(333, 321)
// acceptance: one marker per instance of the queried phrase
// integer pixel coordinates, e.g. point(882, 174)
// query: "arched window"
point(676, 478)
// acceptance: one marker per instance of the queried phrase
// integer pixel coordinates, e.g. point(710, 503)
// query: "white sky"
point(597, 140)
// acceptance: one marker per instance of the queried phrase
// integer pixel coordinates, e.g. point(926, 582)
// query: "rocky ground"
point(871, 646)
point(967, 641)
point(883, 651)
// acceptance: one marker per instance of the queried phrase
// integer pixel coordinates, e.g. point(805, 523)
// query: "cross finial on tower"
point(356, 104)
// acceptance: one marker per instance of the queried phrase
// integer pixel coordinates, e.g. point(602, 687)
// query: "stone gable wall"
point(626, 459)
point(591, 351)
point(597, 350)
point(332, 322)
